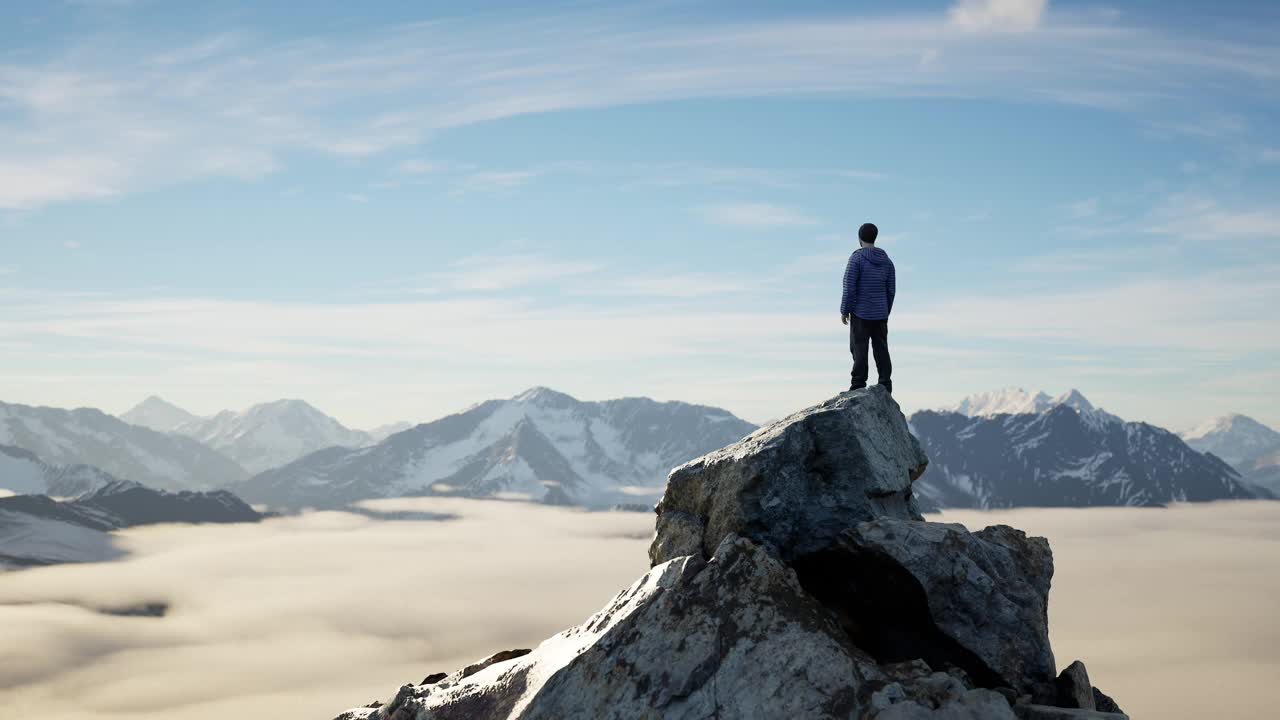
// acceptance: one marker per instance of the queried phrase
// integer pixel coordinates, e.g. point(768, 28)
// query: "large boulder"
point(976, 601)
point(797, 483)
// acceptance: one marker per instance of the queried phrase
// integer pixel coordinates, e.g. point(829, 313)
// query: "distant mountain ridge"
point(1069, 453)
point(1250, 446)
point(540, 444)
point(266, 435)
point(86, 436)
point(158, 414)
point(23, 473)
point(1016, 401)
point(1238, 439)
point(271, 434)
point(38, 530)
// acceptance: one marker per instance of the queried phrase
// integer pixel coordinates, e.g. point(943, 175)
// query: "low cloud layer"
point(302, 617)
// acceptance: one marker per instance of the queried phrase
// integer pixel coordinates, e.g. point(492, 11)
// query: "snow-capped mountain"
point(1070, 454)
point(1250, 446)
point(38, 530)
point(1238, 439)
point(271, 434)
point(1010, 400)
point(86, 436)
point(1016, 401)
point(158, 414)
point(22, 473)
point(541, 444)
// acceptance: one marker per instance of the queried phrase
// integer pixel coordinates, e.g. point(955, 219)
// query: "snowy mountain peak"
point(1009, 400)
point(545, 397)
point(272, 434)
point(1016, 401)
point(1073, 398)
point(157, 414)
point(541, 444)
point(1229, 423)
point(1238, 439)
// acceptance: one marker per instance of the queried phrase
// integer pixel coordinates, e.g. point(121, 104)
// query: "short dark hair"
point(868, 233)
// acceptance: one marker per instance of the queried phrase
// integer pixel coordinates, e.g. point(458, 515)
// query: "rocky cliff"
point(794, 578)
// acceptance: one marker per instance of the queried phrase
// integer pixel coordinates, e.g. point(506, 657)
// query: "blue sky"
point(395, 211)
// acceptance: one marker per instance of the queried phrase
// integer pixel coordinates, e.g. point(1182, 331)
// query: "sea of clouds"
point(302, 617)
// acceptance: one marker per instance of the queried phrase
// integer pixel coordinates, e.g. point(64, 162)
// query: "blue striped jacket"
point(869, 285)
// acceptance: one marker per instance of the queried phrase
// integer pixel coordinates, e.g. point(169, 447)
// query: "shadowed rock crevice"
point(885, 611)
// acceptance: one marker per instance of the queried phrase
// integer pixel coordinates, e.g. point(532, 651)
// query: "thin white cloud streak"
point(506, 272)
point(997, 15)
point(96, 122)
point(1226, 312)
point(756, 216)
point(1205, 219)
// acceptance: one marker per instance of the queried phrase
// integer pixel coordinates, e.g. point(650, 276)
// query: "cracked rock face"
point(795, 484)
point(976, 601)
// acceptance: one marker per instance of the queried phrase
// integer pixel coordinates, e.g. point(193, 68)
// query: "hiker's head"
point(867, 234)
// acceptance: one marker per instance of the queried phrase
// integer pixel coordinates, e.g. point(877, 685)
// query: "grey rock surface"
point(1102, 702)
point(796, 483)
point(734, 636)
point(1074, 688)
point(976, 601)
point(919, 693)
point(1050, 712)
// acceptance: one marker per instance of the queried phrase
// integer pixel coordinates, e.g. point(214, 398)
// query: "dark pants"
point(877, 333)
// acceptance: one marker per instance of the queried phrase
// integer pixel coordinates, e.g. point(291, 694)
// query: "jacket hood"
point(875, 255)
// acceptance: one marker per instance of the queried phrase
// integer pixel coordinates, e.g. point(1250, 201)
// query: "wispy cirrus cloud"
point(1203, 218)
point(94, 120)
point(756, 216)
point(506, 272)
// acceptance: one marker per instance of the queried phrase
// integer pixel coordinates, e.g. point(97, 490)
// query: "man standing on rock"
point(868, 299)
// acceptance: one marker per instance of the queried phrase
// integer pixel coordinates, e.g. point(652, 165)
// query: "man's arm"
point(890, 285)
point(850, 294)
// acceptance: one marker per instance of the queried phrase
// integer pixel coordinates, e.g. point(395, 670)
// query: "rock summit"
point(793, 577)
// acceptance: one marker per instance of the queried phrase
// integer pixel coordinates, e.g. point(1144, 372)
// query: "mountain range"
point(267, 435)
point(995, 449)
point(1012, 448)
point(541, 445)
point(36, 529)
point(23, 473)
point(86, 436)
